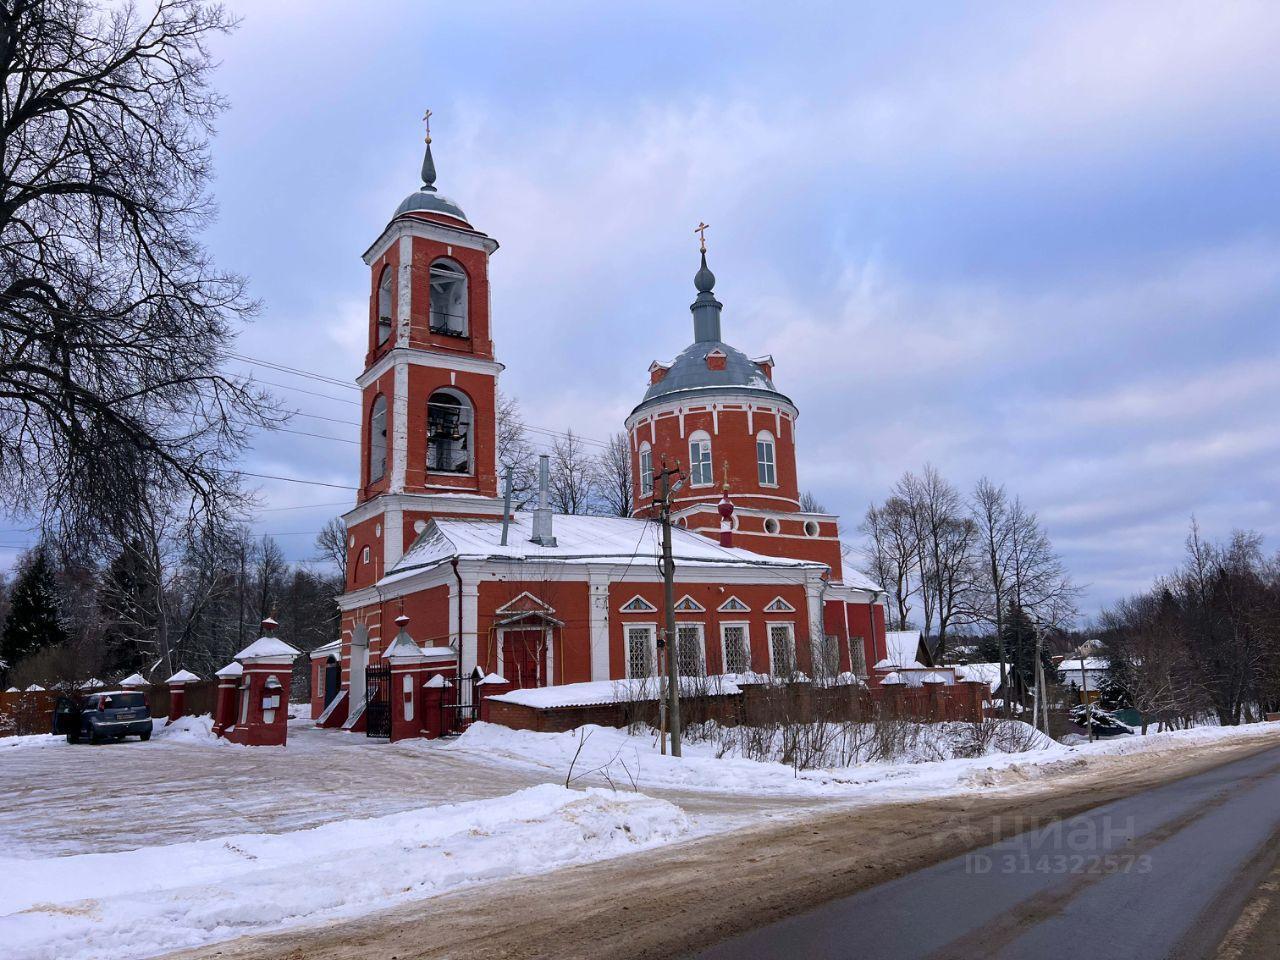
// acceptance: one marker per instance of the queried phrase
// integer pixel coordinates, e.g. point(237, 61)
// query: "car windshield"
point(122, 701)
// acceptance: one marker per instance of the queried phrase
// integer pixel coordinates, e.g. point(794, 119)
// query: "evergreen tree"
point(1019, 637)
point(32, 624)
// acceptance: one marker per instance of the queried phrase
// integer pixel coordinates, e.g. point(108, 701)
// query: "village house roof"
point(903, 651)
point(578, 540)
point(988, 673)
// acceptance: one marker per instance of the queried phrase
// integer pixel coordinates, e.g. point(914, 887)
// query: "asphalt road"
point(1161, 875)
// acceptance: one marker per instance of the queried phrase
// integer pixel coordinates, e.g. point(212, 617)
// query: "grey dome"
point(690, 376)
point(427, 200)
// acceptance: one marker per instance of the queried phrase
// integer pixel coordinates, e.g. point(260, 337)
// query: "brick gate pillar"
point(408, 673)
point(262, 718)
point(178, 694)
point(224, 710)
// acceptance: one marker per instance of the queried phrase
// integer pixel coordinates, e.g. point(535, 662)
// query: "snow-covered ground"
point(188, 839)
point(157, 899)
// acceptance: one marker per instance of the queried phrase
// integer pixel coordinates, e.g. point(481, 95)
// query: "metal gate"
point(460, 705)
point(377, 696)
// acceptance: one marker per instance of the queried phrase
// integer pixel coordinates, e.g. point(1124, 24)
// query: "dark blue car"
point(113, 715)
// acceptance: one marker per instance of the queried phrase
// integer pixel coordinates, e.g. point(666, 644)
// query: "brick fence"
point(27, 713)
point(759, 705)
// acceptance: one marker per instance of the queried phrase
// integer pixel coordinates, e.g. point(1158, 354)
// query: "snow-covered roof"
point(1087, 663)
point(403, 648)
point(578, 539)
point(858, 580)
point(319, 653)
point(988, 673)
point(267, 647)
point(936, 676)
point(902, 648)
point(232, 669)
point(182, 676)
point(135, 680)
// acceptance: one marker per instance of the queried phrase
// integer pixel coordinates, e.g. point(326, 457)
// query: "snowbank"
point(157, 899)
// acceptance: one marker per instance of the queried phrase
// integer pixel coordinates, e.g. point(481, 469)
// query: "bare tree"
point(573, 475)
point(331, 545)
point(613, 473)
point(992, 515)
point(810, 504)
point(514, 450)
point(114, 323)
point(946, 538)
point(891, 552)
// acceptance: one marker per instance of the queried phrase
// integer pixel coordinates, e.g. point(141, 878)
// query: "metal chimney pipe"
point(542, 533)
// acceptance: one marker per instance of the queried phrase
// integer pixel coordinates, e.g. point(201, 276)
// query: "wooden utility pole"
point(663, 503)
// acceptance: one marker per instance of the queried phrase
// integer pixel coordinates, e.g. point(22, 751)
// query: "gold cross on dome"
point(426, 119)
point(701, 231)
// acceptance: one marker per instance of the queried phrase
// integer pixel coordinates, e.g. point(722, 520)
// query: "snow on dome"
point(135, 680)
point(403, 648)
point(232, 669)
point(34, 688)
point(13, 690)
point(436, 681)
point(93, 683)
point(494, 678)
point(892, 680)
point(182, 676)
point(267, 647)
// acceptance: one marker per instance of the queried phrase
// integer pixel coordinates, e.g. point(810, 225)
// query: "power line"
point(314, 483)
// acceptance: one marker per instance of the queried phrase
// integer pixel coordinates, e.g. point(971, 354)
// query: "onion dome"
point(709, 365)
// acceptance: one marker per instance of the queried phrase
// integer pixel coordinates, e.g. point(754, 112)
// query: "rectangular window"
point(700, 471)
point(826, 658)
point(689, 643)
point(639, 651)
point(646, 471)
point(857, 656)
point(737, 652)
point(764, 462)
point(782, 649)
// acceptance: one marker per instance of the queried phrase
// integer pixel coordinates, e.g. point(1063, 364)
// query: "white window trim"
point(766, 436)
point(730, 599)
point(547, 637)
point(541, 606)
point(645, 451)
point(701, 436)
point(696, 608)
point(465, 281)
point(702, 643)
point(777, 524)
point(779, 605)
point(652, 629)
point(724, 646)
point(791, 632)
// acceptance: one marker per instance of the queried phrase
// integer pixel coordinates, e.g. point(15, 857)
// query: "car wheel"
point(94, 737)
point(73, 738)
point(145, 736)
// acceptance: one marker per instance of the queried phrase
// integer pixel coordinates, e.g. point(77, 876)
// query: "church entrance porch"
point(525, 657)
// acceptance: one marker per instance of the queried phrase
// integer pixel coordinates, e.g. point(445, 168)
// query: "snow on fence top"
point(596, 692)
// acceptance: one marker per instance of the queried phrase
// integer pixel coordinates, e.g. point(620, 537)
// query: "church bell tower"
point(428, 427)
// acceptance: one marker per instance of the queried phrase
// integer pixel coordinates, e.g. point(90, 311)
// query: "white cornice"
point(431, 230)
point(676, 403)
point(434, 503)
point(416, 356)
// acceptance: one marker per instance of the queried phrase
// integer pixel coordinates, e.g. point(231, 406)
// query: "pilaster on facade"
point(468, 653)
point(392, 537)
point(399, 428)
point(599, 624)
point(404, 292)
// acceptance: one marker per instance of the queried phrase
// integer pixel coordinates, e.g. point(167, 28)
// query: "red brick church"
point(547, 599)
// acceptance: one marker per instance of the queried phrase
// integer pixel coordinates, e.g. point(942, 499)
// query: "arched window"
point(701, 473)
point(646, 469)
point(448, 433)
point(448, 299)
point(385, 323)
point(378, 439)
point(766, 466)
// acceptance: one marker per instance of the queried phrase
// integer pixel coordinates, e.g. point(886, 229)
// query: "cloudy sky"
point(1037, 242)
